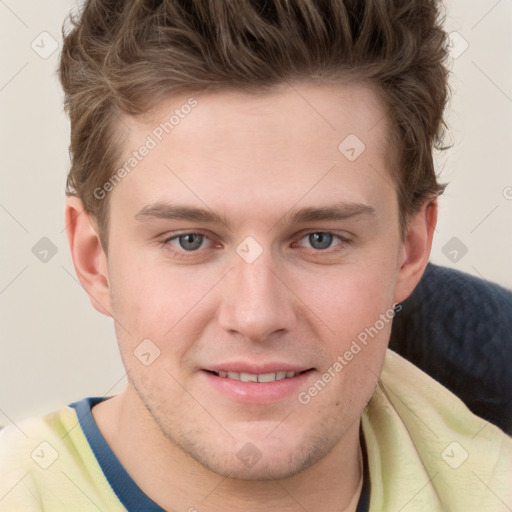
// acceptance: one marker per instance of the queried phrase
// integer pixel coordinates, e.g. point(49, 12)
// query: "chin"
point(253, 465)
point(260, 459)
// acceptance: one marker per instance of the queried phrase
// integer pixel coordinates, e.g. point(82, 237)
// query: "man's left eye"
point(321, 240)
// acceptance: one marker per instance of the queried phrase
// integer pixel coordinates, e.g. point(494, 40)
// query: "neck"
point(176, 481)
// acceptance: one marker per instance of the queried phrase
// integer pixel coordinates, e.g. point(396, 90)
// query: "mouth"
point(257, 377)
point(261, 385)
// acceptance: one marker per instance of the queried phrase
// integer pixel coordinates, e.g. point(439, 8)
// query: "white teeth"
point(251, 377)
point(248, 377)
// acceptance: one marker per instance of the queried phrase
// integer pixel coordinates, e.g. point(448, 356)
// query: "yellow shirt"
point(426, 452)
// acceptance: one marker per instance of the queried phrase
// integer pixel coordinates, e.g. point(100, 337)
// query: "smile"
point(259, 386)
point(251, 377)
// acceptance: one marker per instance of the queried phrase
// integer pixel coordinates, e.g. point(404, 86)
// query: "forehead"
point(311, 111)
point(300, 140)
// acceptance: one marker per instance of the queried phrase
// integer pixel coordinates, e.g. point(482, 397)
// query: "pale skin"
point(253, 160)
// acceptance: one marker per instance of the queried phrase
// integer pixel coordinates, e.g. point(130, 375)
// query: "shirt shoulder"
point(46, 463)
point(428, 451)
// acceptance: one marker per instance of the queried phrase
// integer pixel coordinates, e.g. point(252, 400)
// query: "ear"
point(89, 259)
point(416, 249)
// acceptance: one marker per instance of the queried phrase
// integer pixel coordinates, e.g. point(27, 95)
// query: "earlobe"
point(416, 249)
point(89, 259)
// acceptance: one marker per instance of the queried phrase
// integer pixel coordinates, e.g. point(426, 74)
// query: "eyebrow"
point(338, 211)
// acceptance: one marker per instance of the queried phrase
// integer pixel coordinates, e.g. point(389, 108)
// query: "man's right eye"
point(189, 241)
point(181, 244)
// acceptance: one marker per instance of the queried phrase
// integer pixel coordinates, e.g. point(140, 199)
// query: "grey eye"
point(320, 240)
point(190, 241)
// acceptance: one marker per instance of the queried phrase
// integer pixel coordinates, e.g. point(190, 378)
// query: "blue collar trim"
point(127, 491)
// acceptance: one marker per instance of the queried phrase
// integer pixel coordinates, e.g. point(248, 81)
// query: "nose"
point(256, 301)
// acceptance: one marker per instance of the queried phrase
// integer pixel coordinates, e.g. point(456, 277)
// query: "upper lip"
point(256, 369)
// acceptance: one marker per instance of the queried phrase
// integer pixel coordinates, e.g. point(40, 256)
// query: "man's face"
point(264, 292)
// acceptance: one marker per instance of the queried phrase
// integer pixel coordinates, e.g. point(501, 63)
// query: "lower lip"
point(258, 392)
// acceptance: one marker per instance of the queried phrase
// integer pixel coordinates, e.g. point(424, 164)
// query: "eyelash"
point(182, 254)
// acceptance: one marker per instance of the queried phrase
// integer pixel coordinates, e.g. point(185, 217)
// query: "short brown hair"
point(123, 56)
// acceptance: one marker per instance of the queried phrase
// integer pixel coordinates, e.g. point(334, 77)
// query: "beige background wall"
point(54, 347)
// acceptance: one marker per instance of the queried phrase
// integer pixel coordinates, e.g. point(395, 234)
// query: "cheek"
point(351, 299)
point(163, 304)
point(357, 308)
